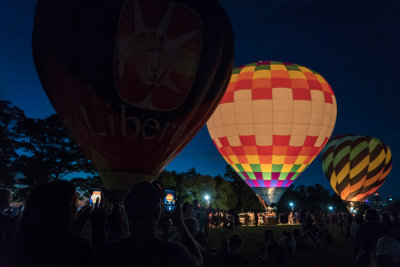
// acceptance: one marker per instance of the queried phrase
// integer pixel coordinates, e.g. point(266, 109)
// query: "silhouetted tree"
point(47, 153)
point(10, 118)
point(246, 198)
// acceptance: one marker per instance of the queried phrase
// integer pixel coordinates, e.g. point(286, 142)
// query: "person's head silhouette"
point(192, 225)
point(235, 241)
point(371, 216)
point(51, 206)
point(143, 204)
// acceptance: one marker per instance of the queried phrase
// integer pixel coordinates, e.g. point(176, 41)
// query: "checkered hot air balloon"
point(272, 122)
point(356, 166)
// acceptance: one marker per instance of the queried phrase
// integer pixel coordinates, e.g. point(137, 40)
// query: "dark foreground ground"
point(337, 254)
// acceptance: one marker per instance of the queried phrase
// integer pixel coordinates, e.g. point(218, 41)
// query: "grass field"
point(337, 254)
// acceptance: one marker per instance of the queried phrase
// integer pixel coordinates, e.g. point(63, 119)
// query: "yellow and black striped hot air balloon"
point(356, 166)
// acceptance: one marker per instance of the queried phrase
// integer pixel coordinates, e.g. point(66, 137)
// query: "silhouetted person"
point(7, 224)
point(277, 256)
point(358, 220)
point(231, 257)
point(387, 253)
point(143, 248)
point(116, 223)
point(299, 238)
point(308, 223)
point(328, 236)
point(395, 226)
point(192, 226)
point(368, 234)
point(201, 215)
point(386, 222)
point(256, 218)
point(287, 242)
point(45, 236)
point(348, 220)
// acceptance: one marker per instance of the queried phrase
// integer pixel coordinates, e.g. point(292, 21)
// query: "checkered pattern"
point(273, 121)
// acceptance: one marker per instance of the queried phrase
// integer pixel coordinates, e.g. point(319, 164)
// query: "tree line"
point(34, 151)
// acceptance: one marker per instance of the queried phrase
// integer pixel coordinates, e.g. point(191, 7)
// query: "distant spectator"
point(256, 218)
point(320, 237)
point(309, 240)
point(290, 218)
point(395, 226)
point(299, 238)
point(277, 256)
point(348, 220)
point(386, 222)
point(358, 220)
point(231, 257)
point(268, 236)
point(288, 243)
point(328, 237)
point(307, 223)
point(201, 215)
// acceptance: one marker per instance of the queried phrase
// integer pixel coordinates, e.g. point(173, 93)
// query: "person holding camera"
point(142, 248)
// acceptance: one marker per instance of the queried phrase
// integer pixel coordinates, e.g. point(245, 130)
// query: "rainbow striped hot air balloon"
point(356, 166)
point(272, 122)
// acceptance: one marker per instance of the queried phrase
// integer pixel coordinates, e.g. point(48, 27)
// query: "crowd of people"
point(48, 232)
point(376, 239)
point(313, 235)
point(52, 231)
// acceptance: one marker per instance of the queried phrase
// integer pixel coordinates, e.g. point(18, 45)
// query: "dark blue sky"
point(355, 45)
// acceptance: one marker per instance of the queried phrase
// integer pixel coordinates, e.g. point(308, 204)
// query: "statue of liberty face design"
point(155, 69)
point(147, 66)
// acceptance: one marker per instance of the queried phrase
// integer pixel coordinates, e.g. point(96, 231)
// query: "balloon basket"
point(355, 207)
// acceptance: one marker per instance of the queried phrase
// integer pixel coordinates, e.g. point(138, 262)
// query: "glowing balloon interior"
point(356, 166)
point(272, 122)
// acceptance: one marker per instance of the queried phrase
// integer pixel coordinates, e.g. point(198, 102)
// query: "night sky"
point(354, 45)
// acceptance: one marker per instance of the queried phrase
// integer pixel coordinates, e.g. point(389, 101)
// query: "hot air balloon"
point(356, 166)
point(272, 122)
point(133, 80)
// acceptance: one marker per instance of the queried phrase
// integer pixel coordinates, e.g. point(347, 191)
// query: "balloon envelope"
point(356, 166)
point(272, 122)
point(132, 80)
